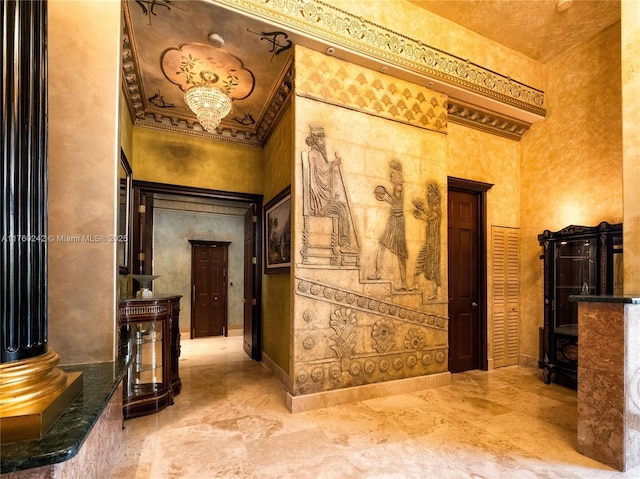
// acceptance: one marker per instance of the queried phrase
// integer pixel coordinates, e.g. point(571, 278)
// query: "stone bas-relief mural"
point(393, 238)
point(348, 338)
point(328, 233)
point(428, 261)
point(354, 326)
point(369, 304)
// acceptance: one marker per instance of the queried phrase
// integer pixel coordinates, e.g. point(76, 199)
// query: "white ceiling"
point(535, 28)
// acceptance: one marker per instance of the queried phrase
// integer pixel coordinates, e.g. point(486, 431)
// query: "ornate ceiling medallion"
point(193, 64)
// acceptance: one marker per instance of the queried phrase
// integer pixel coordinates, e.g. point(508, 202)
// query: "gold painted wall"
point(631, 137)
point(276, 288)
point(84, 152)
point(571, 169)
point(166, 157)
point(479, 156)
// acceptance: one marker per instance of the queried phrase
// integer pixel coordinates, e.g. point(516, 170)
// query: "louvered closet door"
point(506, 295)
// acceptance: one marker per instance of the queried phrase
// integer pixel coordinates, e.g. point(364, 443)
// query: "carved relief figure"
point(393, 238)
point(324, 193)
point(428, 261)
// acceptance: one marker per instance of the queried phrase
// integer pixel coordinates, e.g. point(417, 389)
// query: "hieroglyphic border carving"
point(359, 301)
point(341, 28)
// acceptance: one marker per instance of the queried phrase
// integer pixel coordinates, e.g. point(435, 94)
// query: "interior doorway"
point(467, 274)
point(150, 196)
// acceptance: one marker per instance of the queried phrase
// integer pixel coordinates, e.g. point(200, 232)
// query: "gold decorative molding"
point(342, 83)
point(339, 28)
point(491, 122)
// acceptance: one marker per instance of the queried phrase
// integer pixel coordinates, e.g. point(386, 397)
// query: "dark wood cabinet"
point(150, 343)
point(578, 260)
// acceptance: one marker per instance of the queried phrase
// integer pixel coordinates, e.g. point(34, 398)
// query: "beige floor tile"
point(230, 421)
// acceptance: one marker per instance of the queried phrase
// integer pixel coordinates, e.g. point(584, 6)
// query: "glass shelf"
point(144, 345)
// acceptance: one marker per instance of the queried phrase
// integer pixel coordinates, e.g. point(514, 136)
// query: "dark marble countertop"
point(64, 439)
point(588, 298)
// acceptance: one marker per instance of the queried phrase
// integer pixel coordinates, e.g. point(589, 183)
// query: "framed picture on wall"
point(277, 235)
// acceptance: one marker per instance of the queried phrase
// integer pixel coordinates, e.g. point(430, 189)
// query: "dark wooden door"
point(251, 342)
point(464, 324)
point(209, 288)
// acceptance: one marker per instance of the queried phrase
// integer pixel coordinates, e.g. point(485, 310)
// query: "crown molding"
point(321, 26)
point(155, 118)
point(477, 97)
point(490, 122)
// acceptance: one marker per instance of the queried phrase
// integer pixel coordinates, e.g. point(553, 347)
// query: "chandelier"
point(210, 77)
point(210, 104)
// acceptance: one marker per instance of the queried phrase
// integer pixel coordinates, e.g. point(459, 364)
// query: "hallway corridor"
point(230, 421)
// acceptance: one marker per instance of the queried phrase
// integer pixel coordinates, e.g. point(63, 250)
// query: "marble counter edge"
point(63, 441)
point(587, 298)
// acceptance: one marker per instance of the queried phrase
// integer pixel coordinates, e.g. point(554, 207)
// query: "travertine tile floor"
point(230, 420)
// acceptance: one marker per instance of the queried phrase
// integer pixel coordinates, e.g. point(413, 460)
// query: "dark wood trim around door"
point(480, 190)
point(143, 232)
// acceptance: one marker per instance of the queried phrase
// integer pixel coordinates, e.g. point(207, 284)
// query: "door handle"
point(215, 298)
point(474, 304)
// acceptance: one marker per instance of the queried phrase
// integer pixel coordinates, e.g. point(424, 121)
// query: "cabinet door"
point(505, 295)
point(145, 348)
point(574, 272)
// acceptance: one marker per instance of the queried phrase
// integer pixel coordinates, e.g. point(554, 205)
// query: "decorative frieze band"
point(343, 29)
point(490, 122)
point(345, 84)
point(359, 301)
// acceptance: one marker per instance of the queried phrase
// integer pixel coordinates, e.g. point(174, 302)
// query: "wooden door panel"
point(209, 283)
point(464, 334)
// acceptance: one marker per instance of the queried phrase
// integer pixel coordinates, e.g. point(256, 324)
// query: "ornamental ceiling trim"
point(340, 28)
point(151, 116)
point(490, 122)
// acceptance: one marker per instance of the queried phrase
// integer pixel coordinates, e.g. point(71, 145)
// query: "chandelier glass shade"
point(210, 104)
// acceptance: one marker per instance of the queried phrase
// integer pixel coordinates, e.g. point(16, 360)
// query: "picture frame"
point(123, 235)
point(277, 233)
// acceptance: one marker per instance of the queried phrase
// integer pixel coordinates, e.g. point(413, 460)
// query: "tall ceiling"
point(535, 28)
point(168, 45)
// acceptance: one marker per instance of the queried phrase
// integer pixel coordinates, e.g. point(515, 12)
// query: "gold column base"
point(33, 395)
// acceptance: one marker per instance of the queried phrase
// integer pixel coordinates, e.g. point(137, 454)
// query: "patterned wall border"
point(342, 83)
point(341, 28)
point(359, 301)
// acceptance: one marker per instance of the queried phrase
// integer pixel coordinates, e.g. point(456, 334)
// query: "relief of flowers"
point(382, 333)
point(415, 339)
point(343, 321)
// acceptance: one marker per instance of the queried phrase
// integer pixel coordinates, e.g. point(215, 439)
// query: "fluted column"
point(24, 181)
